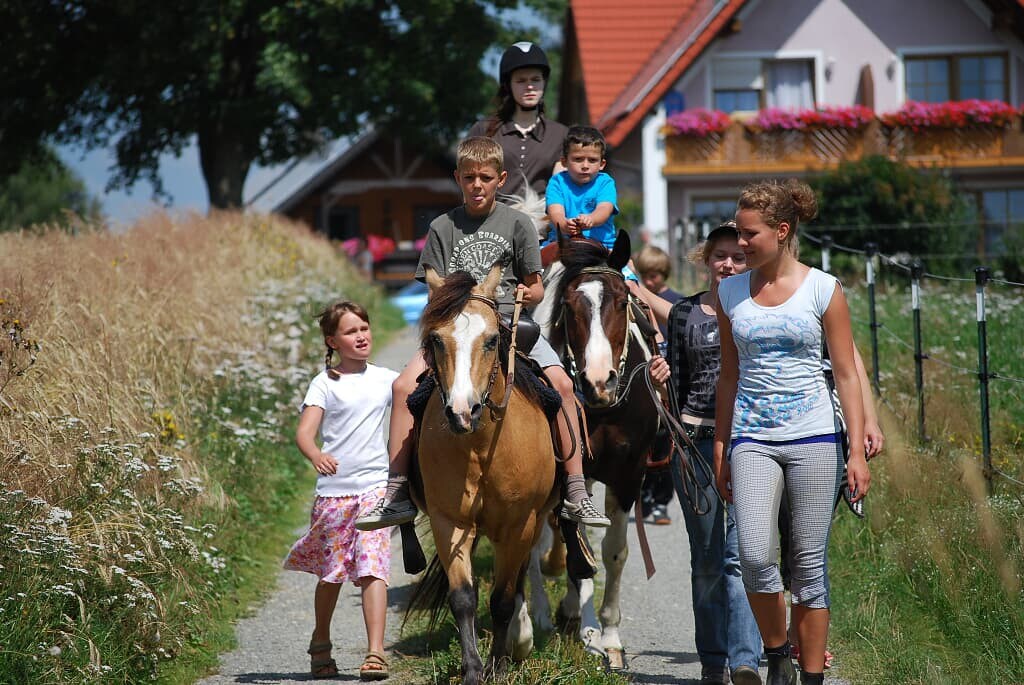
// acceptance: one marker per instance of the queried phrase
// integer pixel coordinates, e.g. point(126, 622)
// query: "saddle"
point(527, 331)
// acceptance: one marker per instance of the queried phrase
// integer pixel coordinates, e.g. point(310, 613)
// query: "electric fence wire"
point(1007, 476)
point(892, 261)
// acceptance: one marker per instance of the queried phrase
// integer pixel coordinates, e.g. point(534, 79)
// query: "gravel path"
point(657, 623)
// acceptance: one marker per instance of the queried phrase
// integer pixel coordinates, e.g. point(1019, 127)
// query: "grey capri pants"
point(809, 473)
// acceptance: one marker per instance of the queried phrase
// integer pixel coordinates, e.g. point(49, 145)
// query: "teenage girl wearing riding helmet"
point(532, 143)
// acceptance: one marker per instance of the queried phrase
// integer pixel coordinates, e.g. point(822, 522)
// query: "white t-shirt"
point(352, 429)
point(782, 394)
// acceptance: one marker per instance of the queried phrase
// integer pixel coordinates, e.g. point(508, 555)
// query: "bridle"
point(497, 409)
point(620, 394)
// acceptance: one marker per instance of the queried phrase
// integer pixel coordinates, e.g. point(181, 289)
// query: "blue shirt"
point(577, 199)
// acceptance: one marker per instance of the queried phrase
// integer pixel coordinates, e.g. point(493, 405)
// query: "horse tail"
point(430, 595)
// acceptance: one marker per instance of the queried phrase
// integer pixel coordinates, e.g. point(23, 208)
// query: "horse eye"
point(436, 341)
point(491, 343)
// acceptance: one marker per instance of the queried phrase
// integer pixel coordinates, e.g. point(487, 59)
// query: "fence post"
point(980, 279)
point(826, 253)
point(871, 249)
point(916, 272)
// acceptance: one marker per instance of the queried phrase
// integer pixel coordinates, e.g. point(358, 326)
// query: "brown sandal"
point(321, 667)
point(375, 667)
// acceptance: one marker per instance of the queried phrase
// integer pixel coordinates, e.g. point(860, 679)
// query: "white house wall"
point(842, 36)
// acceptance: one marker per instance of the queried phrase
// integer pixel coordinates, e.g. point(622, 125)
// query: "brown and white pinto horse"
point(599, 328)
point(484, 469)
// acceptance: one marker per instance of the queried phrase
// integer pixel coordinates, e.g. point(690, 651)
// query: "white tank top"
point(782, 393)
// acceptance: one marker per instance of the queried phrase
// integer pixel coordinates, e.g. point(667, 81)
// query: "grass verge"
point(929, 588)
point(148, 385)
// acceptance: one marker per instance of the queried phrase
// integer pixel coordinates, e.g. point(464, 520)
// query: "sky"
point(182, 178)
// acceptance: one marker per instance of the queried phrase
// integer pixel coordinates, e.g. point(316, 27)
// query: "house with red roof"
point(698, 97)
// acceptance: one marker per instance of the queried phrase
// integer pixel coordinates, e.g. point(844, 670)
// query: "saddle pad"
point(526, 377)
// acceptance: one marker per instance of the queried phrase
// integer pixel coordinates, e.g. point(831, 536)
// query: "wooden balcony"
point(738, 151)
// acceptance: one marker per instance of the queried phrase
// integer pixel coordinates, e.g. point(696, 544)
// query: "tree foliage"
point(44, 191)
point(251, 80)
point(900, 208)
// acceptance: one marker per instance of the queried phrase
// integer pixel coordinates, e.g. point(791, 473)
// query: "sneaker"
point(746, 675)
point(659, 515)
point(585, 512)
point(386, 514)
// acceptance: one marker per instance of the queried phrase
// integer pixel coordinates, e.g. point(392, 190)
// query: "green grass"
point(435, 657)
point(928, 589)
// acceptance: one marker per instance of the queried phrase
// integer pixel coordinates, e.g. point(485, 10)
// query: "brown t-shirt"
point(533, 154)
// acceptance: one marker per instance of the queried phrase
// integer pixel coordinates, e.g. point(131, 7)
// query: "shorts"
point(544, 354)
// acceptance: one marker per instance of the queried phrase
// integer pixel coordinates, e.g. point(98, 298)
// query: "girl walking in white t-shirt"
point(774, 411)
point(346, 404)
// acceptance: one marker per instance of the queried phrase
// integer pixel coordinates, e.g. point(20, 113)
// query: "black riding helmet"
point(520, 55)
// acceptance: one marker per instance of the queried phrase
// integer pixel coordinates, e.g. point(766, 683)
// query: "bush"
point(906, 211)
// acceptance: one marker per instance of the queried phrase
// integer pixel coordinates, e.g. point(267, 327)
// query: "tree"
point(900, 208)
point(252, 80)
point(44, 191)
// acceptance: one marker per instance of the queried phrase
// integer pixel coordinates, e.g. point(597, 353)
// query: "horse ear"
point(434, 281)
point(620, 252)
point(490, 284)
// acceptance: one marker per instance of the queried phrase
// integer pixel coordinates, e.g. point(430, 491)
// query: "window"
point(747, 84)
point(709, 212)
point(341, 223)
point(1002, 213)
point(790, 83)
point(737, 100)
point(956, 77)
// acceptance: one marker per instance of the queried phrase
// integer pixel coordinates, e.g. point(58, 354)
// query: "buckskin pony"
point(605, 337)
point(483, 469)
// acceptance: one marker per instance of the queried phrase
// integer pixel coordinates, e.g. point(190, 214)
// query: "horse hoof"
point(616, 659)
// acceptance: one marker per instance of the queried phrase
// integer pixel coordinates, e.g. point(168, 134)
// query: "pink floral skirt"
point(333, 550)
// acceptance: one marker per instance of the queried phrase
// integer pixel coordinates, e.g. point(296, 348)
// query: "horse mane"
point(576, 255)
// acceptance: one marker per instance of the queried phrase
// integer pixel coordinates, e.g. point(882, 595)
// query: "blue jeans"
point(726, 632)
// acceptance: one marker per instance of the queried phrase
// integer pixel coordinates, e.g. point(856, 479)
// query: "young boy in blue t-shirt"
point(582, 199)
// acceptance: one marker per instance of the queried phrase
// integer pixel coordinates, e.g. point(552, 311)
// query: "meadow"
point(148, 481)
point(929, 588)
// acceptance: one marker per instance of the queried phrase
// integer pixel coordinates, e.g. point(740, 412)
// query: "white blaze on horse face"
point(597, 357)
point(465, 330)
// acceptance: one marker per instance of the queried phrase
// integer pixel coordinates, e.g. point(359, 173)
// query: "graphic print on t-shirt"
point(772, 339)
point(702, 345)
point(477, 253)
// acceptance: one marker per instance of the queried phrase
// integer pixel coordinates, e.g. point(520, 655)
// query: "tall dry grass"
point(112, 345)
